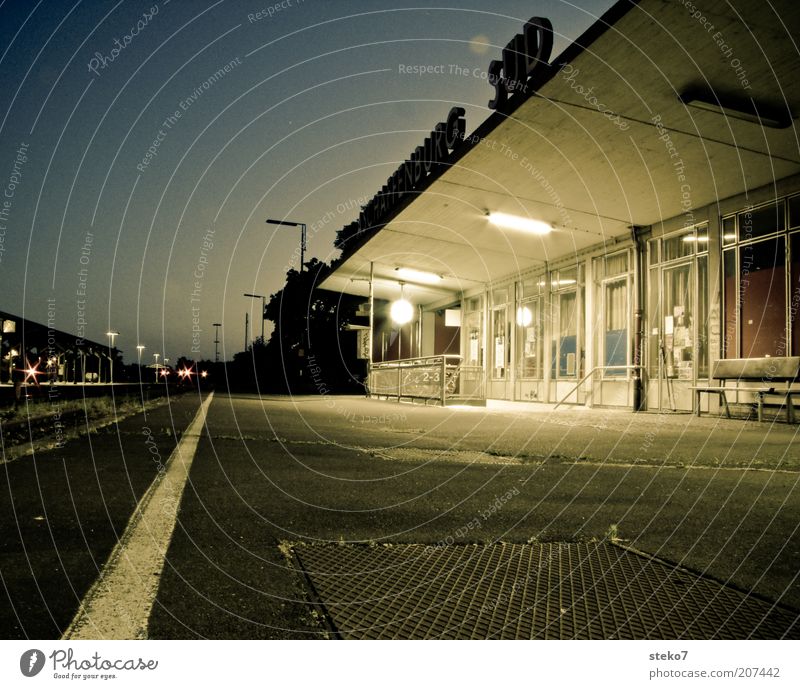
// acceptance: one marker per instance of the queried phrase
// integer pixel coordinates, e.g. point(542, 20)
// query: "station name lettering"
point(525, 55)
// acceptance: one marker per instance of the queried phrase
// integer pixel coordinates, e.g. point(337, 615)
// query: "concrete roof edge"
point(573, 50)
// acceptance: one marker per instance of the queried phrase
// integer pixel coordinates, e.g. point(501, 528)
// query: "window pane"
point(568, 335)
point(474, 321)
point(678, 247)
point(500, 343)
point(652, 251)
point(702, 317)
point(653, 321)
point(728, 230)
point(566, 277)
point(763, 296)
point(794, 294)
point(608, 266)
point(532, 286)
point(678, 322)
point(730, 342)
point(702, 238)
point(616, 326)
point(761, 222)
point(529, 339)
point(794, 211)
point(500, 296)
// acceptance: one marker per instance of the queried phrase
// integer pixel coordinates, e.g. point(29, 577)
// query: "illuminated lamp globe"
point(402, 311)
point(524, 316)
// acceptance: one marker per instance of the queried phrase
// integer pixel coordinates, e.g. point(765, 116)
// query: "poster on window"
point(499, 352)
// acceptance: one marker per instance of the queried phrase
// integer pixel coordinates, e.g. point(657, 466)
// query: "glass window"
point(677, 325)
point(652, 251)
point(500, 296)
point(474, 304)
point(531, 287)
point(702, 317)
point(729, 230)
point(615, 308)
point(679, 246)
point(763, 298)
point(500, 349)
point(762, 221)
point(653, 323)
point(794, 211)
point(529, 339)
point(730, 342)
point(794, 293)
point(566, 277)
point(608, 266)
point(568, 334)
point(702, 239)
point(474, 321)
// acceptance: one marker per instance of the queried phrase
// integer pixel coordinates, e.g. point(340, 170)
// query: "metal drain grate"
point(540, 591)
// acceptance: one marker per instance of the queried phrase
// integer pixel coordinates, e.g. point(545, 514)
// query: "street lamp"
point(263, 309)
point(217, 326)
point(302, 227)
point(111, 335)
point(155, 356)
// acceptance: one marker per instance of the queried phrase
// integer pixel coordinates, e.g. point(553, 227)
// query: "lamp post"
point(111, 335)
point(302, 226)
point(216, 326)
point(139, 349)
point(155, 356)
point(263, 308)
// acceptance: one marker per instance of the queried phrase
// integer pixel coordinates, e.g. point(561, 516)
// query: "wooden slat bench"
point(766, 370)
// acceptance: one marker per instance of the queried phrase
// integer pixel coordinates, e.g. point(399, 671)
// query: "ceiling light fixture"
point(418, 275)
point(401, 311)
point(515, 222)
point(745, 109)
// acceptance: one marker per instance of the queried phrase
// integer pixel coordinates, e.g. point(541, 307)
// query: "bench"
point(764, 370)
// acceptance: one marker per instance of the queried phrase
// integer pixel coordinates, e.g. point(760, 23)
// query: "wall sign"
point(525, 55)
point(410, 176)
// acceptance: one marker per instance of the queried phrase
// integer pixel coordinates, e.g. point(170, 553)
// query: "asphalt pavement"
point(717, 496)
point(273, 476)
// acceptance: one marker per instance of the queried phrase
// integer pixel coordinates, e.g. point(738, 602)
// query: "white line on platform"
point(118, 604)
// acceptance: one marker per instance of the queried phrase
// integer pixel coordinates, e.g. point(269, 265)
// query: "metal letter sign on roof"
point(522, 57)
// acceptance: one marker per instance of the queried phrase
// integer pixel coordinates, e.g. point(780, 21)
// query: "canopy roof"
point(605, 144)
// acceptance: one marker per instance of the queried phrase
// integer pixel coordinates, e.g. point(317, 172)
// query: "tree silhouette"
point(308, 351)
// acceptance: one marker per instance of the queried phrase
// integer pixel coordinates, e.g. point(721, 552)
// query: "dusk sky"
point(130, 172)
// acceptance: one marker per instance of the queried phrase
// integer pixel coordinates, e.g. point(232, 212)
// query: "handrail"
point(633, 367)
point(416, 361)
point(442, 362)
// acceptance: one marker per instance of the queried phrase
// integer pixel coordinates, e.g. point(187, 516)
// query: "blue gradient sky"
point(311, 117)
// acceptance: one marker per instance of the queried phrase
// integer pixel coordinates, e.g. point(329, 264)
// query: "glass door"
point(500, 345)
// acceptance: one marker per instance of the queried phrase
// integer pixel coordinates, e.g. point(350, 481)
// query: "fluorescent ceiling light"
point(514, 222)
point(745, 109)
point(418, 275)
point(692, 238)
point(729, 236)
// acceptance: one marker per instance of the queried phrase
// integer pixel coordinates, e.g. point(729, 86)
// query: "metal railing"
point(591, 373)
point(428, 378)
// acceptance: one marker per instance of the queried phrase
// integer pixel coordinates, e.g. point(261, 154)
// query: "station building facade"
point(56, 356)
point(623, 220)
